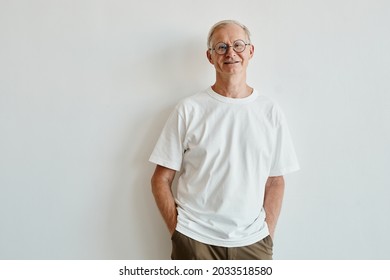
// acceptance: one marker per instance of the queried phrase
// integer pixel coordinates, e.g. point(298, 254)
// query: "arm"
point(162, 192)
point(273, 197)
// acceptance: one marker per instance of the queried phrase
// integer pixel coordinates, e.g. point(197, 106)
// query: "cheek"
point(215, 61)
point(246, 58)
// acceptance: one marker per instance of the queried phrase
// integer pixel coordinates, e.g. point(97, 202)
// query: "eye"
point(239, 45)
point(221, 47)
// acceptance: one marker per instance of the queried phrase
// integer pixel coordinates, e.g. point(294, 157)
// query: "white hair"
point(223, 23)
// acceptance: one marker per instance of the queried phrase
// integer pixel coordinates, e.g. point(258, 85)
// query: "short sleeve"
point(284, 157)
point(169, 151)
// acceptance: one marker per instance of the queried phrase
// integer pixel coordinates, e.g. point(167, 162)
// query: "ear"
point(251, 50)
point(208, 54)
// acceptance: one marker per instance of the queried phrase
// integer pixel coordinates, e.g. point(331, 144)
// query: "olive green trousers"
point(185, 248)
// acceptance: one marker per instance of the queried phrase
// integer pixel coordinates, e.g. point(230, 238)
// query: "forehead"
point(228, 33)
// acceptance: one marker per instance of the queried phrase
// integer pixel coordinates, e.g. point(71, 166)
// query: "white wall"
point(85, 87)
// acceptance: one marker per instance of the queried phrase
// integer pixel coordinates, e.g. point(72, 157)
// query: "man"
point(232, 147)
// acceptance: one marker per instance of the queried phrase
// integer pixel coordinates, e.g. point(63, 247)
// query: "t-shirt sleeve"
point(284, 157)
point(169, 150)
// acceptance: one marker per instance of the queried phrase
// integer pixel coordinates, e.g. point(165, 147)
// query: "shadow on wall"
point(136, 229)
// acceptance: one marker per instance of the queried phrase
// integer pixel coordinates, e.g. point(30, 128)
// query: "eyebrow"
point(232, 42)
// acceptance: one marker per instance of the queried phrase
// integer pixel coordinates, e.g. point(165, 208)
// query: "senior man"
point(231, 147)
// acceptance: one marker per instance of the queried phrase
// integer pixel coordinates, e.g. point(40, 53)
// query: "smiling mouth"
point(231, 62)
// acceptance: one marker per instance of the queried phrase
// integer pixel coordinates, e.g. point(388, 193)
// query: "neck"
point(232, 86)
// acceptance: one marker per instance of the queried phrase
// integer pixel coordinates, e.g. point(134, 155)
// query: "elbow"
point(161, 179)
point(153, 183)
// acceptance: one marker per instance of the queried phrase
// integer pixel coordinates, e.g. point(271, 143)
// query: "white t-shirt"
point(225, 149)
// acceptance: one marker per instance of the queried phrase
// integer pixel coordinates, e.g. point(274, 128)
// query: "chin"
point(233, 71)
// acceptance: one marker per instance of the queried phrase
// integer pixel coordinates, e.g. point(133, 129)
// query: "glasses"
point(238, 46)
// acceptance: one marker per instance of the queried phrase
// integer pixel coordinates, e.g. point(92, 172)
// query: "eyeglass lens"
point(238, 46)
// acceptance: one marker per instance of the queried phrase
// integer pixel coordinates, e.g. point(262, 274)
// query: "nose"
point(230, 51)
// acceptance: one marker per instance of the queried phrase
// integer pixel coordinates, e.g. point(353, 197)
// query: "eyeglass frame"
point(230, 46)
